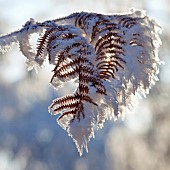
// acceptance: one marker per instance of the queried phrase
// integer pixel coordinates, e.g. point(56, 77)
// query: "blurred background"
point(30, 138)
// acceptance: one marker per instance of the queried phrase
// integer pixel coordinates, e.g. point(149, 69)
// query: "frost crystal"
point(112, 58)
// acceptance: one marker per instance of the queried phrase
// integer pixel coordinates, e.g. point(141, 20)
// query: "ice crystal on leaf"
point(112, 58)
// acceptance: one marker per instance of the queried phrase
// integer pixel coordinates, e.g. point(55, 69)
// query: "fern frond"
point(109, 57)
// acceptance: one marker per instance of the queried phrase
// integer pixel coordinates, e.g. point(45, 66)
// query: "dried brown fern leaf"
point(108, 58)
point(72, 59)
point(128, 22)
point(66, 99)
point(43, 41)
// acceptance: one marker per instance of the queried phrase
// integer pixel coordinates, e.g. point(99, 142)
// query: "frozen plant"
point(111, 58)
